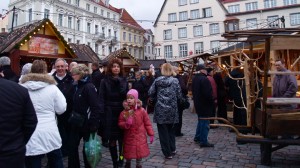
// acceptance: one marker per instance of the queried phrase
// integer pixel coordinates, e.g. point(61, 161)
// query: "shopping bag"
point(92, 149)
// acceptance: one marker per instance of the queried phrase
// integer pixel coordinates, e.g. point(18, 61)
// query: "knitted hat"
point(135, 94)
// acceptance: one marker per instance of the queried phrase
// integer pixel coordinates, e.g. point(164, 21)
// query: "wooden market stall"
point(260, 50)
point(37, 40)
point(129, 61)
point(188, 64)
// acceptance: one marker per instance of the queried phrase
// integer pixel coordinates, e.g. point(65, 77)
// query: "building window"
point(289, 2)
point(183, 50)
point(214, 28)
point(134, 38)
point(270, 3)
point(95, 9)
point(182, 32)
point(16, 19)
point(115, 34)
point(103, 50)
point(88, 28)
point(149, 51)
point(130, 50)
point(70, 22)
point(89, 44)
point(231, 25)
point(96, 29)
point(77, 2)
point(69, 40)
point(135, 52)
point(168, 51)
point(149, 38)
point(46, 13)
point(251, 23)
point(198, 31)
point(207, 12)
point(273, 21)
point(182, 2)
point(78, 41)
point(295, 19)
point(140, 39)
point(195, 14)
point(198, 47)
point(108, 15)
point(172, 17)
point(102, 12)
point(124, 36)
point(168, 34)
point(114, 17)
point(251, 6)
point(96, 48)
point(69, 1)
point(30, 15)
point(215, 46)
point(109, 32)
point(129, 37)
point(234, 8)
point(88, 7)
point(103, 30)
point(78, 25)
point(194, 1)
point(140, 54)
point(183, 15)
point(60, 19)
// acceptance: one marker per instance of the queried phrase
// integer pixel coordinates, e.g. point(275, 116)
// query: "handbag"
point(92, 149)
point(77, 119)
point(184, 103)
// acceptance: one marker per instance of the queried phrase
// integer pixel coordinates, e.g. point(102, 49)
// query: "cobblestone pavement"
point(226, 152)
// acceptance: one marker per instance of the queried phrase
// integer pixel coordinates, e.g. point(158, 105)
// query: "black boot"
point(128, 165)
point(114, 155)
point(121, 161)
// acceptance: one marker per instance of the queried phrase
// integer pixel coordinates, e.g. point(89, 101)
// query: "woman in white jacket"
point(47, 100)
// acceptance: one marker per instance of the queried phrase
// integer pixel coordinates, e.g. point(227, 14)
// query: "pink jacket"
point(135, 138)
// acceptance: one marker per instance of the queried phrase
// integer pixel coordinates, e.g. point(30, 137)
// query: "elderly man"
point(6, 71)
point(18, 121)
point(204, 104)
point(284, 85)
point(64, 83)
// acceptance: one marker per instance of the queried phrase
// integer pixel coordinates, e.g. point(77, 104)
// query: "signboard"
point(41, 45)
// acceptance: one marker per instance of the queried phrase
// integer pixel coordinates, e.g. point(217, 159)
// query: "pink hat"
point(134, 93)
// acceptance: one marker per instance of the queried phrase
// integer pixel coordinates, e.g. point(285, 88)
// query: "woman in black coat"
point(112, 93)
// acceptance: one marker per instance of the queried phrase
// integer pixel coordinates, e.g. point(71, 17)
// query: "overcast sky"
point(138, 9)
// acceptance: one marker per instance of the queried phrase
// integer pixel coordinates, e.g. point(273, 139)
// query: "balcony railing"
point(99, 37)
point(113, 39)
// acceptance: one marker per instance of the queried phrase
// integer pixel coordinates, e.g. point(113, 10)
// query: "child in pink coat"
point(136, 124)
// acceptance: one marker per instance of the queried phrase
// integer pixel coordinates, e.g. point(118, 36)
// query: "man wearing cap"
point(204, 104)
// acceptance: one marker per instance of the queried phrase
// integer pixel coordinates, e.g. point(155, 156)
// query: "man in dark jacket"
point(204, 104)
point(97, 76)
point(237, 93)
point(284, 85)
point(18, 121)
point(140, 85)
point(6, 70)
point(64, 83)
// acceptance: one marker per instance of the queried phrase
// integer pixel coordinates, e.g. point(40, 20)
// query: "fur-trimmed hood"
point(34, 81)
point(127, 107)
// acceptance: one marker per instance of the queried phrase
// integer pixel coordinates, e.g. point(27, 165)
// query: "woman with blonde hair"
point(47, 100)
point(85, 116)
point(166, 92)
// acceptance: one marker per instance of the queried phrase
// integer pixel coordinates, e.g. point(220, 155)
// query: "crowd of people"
point(50, 113)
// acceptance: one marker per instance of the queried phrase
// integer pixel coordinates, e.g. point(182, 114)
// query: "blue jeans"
point(202, 131)
point(54, 160)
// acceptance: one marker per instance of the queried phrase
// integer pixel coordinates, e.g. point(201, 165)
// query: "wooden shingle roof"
point(18, 36)
point(84, 53)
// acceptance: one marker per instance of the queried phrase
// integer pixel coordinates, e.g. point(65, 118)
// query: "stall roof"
point(145, 64)
point(84, 53)
point(19, 35)
point(121, 53)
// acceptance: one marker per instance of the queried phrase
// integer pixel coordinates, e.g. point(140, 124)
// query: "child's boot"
point(128, 165)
